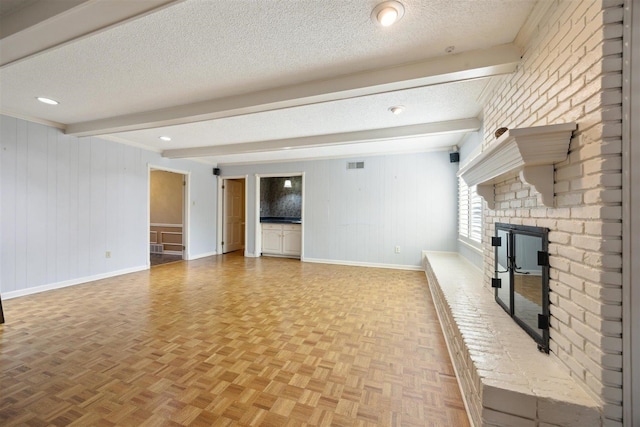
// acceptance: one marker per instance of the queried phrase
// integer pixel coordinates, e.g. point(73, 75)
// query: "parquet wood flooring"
point(529, 287)
point(225, 341)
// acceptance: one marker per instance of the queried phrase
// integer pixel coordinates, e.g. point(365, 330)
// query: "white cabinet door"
point(291, 240)
point(271, 239)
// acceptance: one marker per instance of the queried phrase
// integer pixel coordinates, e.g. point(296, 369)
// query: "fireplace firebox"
point(521, 279)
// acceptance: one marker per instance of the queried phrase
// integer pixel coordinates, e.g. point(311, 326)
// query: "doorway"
point(167, 216)
point(233, 215)
point(269, 239)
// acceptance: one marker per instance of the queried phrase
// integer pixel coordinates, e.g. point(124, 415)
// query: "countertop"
point(280, 220)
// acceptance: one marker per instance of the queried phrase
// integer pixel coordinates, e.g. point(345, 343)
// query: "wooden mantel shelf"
point(530, 151)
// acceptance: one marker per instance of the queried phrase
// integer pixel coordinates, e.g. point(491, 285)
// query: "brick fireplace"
point(570, 74)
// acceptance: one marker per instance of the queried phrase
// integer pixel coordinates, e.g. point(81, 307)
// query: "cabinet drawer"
point(271, 226)
point(291, 227)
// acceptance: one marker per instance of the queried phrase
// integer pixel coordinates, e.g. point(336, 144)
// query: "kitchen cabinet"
point(272, 239)
point(291, 239)
point(282, 239)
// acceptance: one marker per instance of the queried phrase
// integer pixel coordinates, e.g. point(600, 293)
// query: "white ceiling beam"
point(498, 60)
point(29, 14)
point(47, 24)
point(399, 132)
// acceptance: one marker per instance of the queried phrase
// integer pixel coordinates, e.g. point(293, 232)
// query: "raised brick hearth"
point(504, 379)
point(570, 72)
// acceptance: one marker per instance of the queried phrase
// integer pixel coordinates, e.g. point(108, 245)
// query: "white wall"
point(65, 201)
point(469, 145)
point(359, 216)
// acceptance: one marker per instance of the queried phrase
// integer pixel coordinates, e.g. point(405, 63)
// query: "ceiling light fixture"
point(387, 13)
point(398, 109)
point(47, 100)
point(287, 183)
point(165, 138)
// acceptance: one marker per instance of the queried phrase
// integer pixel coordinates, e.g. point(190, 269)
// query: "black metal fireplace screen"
point(521, 278)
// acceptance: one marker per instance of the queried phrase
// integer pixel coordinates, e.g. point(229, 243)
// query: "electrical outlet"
point(397, 249)
point(107, 254)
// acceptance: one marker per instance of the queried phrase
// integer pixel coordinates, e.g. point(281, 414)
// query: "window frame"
point(470, 210)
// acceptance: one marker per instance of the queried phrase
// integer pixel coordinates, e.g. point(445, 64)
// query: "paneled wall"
point(571, 71)
point(360, 215)
point(67, 201)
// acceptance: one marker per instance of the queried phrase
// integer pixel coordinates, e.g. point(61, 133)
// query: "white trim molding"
point(172, 252)
point(71, 282)
point(630, 216)
point(202, 255)
point(530, 151)
point(363, 264)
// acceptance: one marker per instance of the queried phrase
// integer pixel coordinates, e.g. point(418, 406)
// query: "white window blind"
point(469, 212)
point(476, 215)
point(463, 208)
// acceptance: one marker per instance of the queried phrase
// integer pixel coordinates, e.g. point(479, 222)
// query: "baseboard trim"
point(172, 252)
point(203, 255)
point(71, 282)
point(363, 264)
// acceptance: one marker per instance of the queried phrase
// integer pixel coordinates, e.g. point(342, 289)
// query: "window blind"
point(463, 208)
point(475, 224)
point(469, 212)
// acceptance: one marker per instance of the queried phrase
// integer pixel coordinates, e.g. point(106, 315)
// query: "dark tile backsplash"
point(277, 201)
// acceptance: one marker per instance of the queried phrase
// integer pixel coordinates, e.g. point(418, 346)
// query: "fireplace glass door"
point(503, 293)
point(522, 278)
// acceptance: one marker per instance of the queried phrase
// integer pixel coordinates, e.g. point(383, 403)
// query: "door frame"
point(630, 217)
point(220, 212)
point(186, 211)
point(258, 228)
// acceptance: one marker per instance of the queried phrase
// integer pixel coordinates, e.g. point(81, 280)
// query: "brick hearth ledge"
point(504, 379)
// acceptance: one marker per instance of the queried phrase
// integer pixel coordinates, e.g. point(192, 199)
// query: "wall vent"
point(355, 165)
point(156, 248)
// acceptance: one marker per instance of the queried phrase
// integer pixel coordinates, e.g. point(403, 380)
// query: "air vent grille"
point(355, 165)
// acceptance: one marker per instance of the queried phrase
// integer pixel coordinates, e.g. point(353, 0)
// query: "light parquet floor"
point(230, 341)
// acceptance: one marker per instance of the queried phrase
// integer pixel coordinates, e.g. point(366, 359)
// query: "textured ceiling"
point(198, 50)
point(423, 105)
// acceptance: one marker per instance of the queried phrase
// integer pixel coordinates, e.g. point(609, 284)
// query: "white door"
point(233, 215)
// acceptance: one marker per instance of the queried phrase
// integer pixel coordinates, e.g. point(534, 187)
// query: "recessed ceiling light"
point(387, 13)
point(397, 109)
point(165, 138)
point(47, 100)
